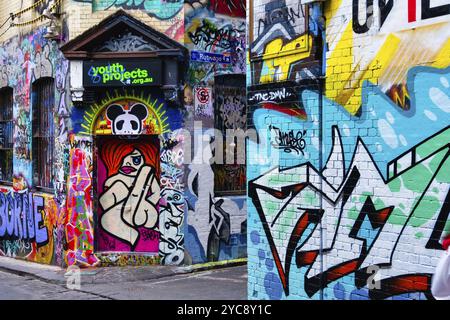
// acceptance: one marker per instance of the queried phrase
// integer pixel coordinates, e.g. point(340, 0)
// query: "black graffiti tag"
point(209, 35)
point(289, 141)
point(278, 12)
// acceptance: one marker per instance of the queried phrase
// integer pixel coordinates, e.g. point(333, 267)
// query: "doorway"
point(127, 193)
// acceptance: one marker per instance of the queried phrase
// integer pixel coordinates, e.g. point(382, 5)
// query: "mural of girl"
point(128, 185)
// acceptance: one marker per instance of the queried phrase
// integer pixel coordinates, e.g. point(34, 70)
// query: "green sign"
point(121, 73)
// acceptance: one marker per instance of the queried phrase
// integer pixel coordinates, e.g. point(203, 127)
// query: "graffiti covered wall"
point(215, 223)
point(81, 224)
point(33, 224)
point(31, 227)
point(148, 166)
point(350, 198)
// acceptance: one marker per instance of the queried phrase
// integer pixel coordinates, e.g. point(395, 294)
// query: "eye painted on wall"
point(137, 160)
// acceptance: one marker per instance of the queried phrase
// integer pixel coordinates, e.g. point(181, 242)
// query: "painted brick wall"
point(33, 224)
point(85, 14)
point(355, 197)
point(8, 7)
point(80, 15)
point(215, 222)
point(58, 228)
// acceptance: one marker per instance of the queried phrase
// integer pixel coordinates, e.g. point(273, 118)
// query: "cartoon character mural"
point(128, 188)
point(130, 219)
point(127, 121)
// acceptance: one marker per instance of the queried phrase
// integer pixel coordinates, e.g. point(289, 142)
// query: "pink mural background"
point(148, 240)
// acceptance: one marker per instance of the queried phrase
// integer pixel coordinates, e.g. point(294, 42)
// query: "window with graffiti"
point(230, 116)
point(128, 193)
point(6, 134)
point(43, 101)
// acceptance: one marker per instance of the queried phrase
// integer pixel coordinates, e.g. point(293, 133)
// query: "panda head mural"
point(126, 121)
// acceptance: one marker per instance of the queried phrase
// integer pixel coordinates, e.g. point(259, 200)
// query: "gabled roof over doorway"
point(121, 35)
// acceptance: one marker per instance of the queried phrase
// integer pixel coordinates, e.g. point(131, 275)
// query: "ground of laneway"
point(149, 283)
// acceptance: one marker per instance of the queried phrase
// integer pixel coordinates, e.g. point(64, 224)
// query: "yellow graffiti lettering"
point(278, 58)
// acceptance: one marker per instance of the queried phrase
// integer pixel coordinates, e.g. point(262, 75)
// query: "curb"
point(182, 270)
point(32, 275)
point(215, 265)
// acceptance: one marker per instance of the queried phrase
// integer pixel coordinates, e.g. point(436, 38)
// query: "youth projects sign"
point(101, 73)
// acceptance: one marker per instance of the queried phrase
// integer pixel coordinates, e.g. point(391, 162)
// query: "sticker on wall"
point(200, 56)
point(203, 102)
point(125, 115)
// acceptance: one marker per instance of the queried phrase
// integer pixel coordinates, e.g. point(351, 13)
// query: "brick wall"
point(355, 196)
point(83, 15)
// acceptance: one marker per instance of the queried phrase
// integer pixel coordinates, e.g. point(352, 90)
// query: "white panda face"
point(126, 122)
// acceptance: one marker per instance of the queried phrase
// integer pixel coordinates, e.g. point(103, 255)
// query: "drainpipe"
point(321, 83)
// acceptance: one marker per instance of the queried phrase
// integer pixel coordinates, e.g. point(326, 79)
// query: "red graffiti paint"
point(401, 285)
point(412, 10)
point(234, 8)
point(291, 110)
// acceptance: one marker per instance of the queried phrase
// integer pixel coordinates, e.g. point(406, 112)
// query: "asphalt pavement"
point(20, 280)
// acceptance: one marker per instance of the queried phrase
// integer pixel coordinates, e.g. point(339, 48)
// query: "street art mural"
point(217, 47)
point(124, 259)
point(233, 8)
point(382, 195)
point(172, 203)
point(139, 177)
point(128, 189)
point(359, 211)
point(79, 205)
point(127, 114)
point(147, 180)
point(282, 41)
point(126, 121)
point(379, 48)
point(285, 51)
point(25, 59)
point(31, 227)
point(231, 115)
point(215, 224)
point(169, 13)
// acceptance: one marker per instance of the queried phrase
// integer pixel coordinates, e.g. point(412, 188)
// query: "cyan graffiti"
point(382, 190)
point(161, 9)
